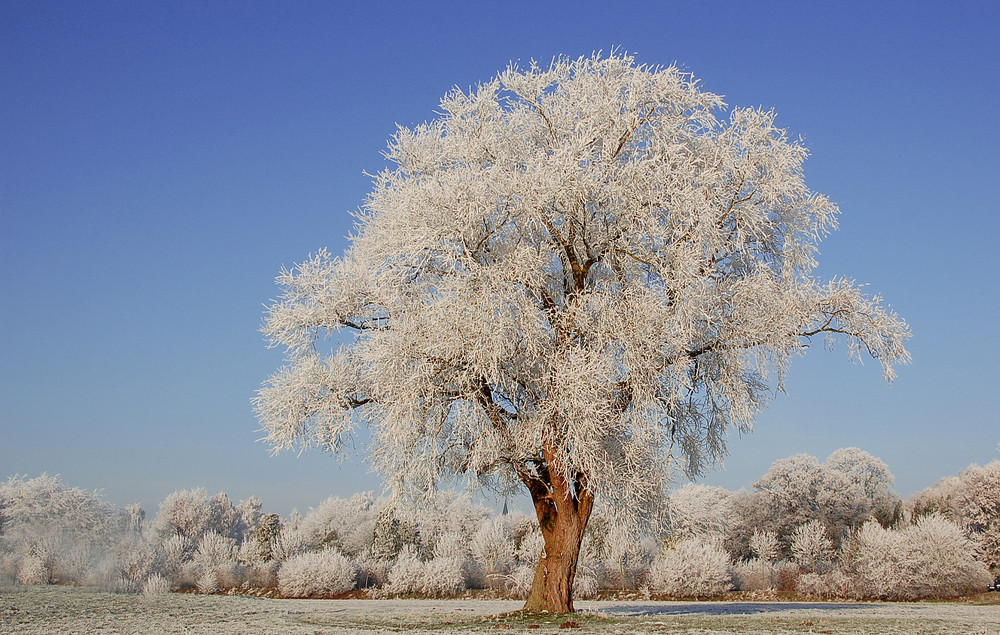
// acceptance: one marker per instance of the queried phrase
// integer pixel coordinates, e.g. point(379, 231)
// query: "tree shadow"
point(726, 608)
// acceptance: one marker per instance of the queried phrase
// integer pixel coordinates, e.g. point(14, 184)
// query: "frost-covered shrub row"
point(856, 541)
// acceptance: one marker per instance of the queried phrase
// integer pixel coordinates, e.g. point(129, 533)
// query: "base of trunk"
point(552, 588)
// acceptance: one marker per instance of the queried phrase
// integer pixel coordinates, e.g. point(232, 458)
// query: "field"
point(51, 609)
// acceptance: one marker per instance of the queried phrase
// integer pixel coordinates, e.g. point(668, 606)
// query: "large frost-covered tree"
point(572, 279)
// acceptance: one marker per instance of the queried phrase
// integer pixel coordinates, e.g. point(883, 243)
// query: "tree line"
point(818, 529)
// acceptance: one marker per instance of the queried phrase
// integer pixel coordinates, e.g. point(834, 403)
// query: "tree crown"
point(579, 272)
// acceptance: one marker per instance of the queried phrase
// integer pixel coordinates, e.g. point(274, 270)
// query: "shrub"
point(323, 573)
point(442, 577)
point(214, 551)
point(874, 560)
point(493, 547)
point(183, 513)
point(786, 576)
point(407, 574)
point(372, 572)
point(345, 524)
point(33, 571)
point(133, 560)
point(155, 585)
point(823, 585)
point(754, 575)
point(932, 558)
point(811, 546)
point(209, 582)
point(439, 577)
point(586, 584)
point(215, 559)
point(941, 560)
point(691, 568)
point(519, 582)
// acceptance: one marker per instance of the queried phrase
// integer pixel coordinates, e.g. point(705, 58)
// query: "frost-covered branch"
point(572, 279)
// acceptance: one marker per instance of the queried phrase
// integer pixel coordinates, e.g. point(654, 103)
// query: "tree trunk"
point(563, 510)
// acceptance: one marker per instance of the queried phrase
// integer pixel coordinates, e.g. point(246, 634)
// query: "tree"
point(851, 487)
point(492, 547)
point(574, 278)
point(811, 546)
point(699, 511)
point(872, 477)
point(979, 502)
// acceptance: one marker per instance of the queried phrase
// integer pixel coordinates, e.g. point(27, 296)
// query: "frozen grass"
point(38, 610)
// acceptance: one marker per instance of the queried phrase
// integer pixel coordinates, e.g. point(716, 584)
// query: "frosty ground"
point(52, 609)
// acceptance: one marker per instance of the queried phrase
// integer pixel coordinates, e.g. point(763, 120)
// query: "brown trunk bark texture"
point(563, 510)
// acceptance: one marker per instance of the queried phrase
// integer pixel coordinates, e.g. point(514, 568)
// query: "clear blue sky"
point(159, 163)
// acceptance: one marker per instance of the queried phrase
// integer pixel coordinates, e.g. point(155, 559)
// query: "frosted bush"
point(222, 517)
point(407, 574)
point(520, 580)
point(439, 577)
point(209, 581)
point(875, 556)
point(215, 559)
point(493, 547)
point(74, 562)
point(811, 546)
point(172, 553)
point(155, 585)
point(530, 546)
point(346, 524)
point(823, 585)
point(442, 577)
point(288, 543)
point(133, 560)
point(33, 570)
point(941, 560)
point(263, 575)
point(325, 573)
point(786, 576)
point(699, 511)
point(451, 544)
point(754, 575)
point(979, 503)
point(620, 551)
point(691, 568)
point(933, 558)
point(586, 583)
point(9, 566)
point(372, 572)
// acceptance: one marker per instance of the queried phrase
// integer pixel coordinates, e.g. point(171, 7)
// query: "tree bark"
point(563, 509)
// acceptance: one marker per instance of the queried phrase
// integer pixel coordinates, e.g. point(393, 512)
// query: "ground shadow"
point(726, 608)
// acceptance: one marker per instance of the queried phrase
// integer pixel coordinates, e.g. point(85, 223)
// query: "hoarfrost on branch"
point(584, 273)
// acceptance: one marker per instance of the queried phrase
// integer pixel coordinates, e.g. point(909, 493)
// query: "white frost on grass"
point(49, 609)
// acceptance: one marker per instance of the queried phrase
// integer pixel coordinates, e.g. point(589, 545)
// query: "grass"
point(38, 610)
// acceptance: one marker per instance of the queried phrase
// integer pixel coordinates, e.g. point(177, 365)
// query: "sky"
point(160, 163)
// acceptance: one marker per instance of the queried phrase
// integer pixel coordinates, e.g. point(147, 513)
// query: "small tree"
point(492, 547)
point(573, 278)
point(183, 513)
point(764, 545)
point(811, 546)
